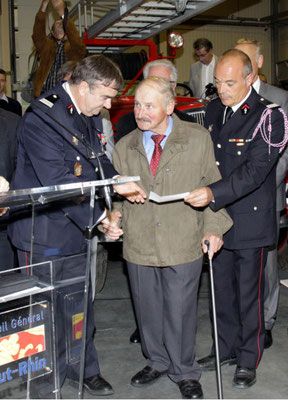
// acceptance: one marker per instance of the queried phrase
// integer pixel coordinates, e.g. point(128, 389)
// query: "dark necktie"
point(228, 114)
point(157, 153)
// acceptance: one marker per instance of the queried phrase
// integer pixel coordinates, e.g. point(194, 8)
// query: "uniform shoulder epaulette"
point(268, 103)
point(50, 100)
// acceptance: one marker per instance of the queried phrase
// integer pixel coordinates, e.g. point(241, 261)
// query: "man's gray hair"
point(162, 85)
point(162, 63)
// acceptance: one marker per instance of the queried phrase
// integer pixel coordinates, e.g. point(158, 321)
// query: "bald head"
point(233, 77)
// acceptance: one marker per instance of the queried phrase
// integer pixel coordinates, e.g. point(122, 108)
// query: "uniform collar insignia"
point(71, 109)
point(245, 108)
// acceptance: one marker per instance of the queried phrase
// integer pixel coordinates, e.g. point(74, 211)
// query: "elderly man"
point(64, 44)
point(162, 242)
point(246, 155)
point(202, 72)
point(279, 96)
point(161, 68)
point(51, 152)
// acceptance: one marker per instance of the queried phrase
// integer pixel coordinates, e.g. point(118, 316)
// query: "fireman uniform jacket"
point(248, 185)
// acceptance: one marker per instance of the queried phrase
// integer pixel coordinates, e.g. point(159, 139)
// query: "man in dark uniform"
point(8, 149)
point(279, 96)
point(246, 155)
point(51, 154)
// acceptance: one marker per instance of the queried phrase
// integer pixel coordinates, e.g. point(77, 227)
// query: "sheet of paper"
point(164, 199)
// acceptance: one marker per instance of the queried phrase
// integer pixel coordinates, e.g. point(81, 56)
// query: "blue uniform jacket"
point(248, 185)
point(49, 155)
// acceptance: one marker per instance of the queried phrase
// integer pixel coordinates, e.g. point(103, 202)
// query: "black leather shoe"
point(268, 341)
point(97, 386)
point(190, 389)
point(135, 337)
point(209, 363)
point(146, 377)
point(244, 377)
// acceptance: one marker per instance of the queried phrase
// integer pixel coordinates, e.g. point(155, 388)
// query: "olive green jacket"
point(169, 233)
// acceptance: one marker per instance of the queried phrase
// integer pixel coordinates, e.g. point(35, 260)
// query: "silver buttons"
point(239, 153)
point(217, 163)
point(219, 146)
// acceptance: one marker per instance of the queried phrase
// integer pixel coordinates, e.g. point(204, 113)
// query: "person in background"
point(7, 103)
point(247, 163)
point(63, 44)
point(162, 242)
point(279, 96)
point(202, 72)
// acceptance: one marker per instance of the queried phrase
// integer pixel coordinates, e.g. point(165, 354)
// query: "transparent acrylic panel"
point(36, 326)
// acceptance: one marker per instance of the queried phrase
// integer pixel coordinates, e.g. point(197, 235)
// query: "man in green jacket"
point(162, 241)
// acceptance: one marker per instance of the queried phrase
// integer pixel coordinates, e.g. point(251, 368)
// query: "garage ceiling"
point(135, 19)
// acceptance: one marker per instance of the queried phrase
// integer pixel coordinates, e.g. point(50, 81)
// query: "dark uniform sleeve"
point(250, 171)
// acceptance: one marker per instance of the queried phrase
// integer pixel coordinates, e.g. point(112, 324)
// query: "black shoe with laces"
point(95, 385)
point(190, 389)
point(146, 377)
point(244, 377)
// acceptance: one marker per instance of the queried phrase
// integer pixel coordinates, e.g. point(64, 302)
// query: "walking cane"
point(218, 366)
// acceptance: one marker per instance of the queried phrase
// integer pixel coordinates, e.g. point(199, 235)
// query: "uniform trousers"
point(64, 269)
point(239, 295)
point(165, 300)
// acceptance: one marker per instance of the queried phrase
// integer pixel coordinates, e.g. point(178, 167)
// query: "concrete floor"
point(120, 360)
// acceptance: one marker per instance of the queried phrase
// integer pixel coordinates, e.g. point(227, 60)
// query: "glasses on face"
point(201, 55)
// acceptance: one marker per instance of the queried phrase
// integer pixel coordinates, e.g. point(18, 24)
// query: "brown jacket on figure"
point(74, 48)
